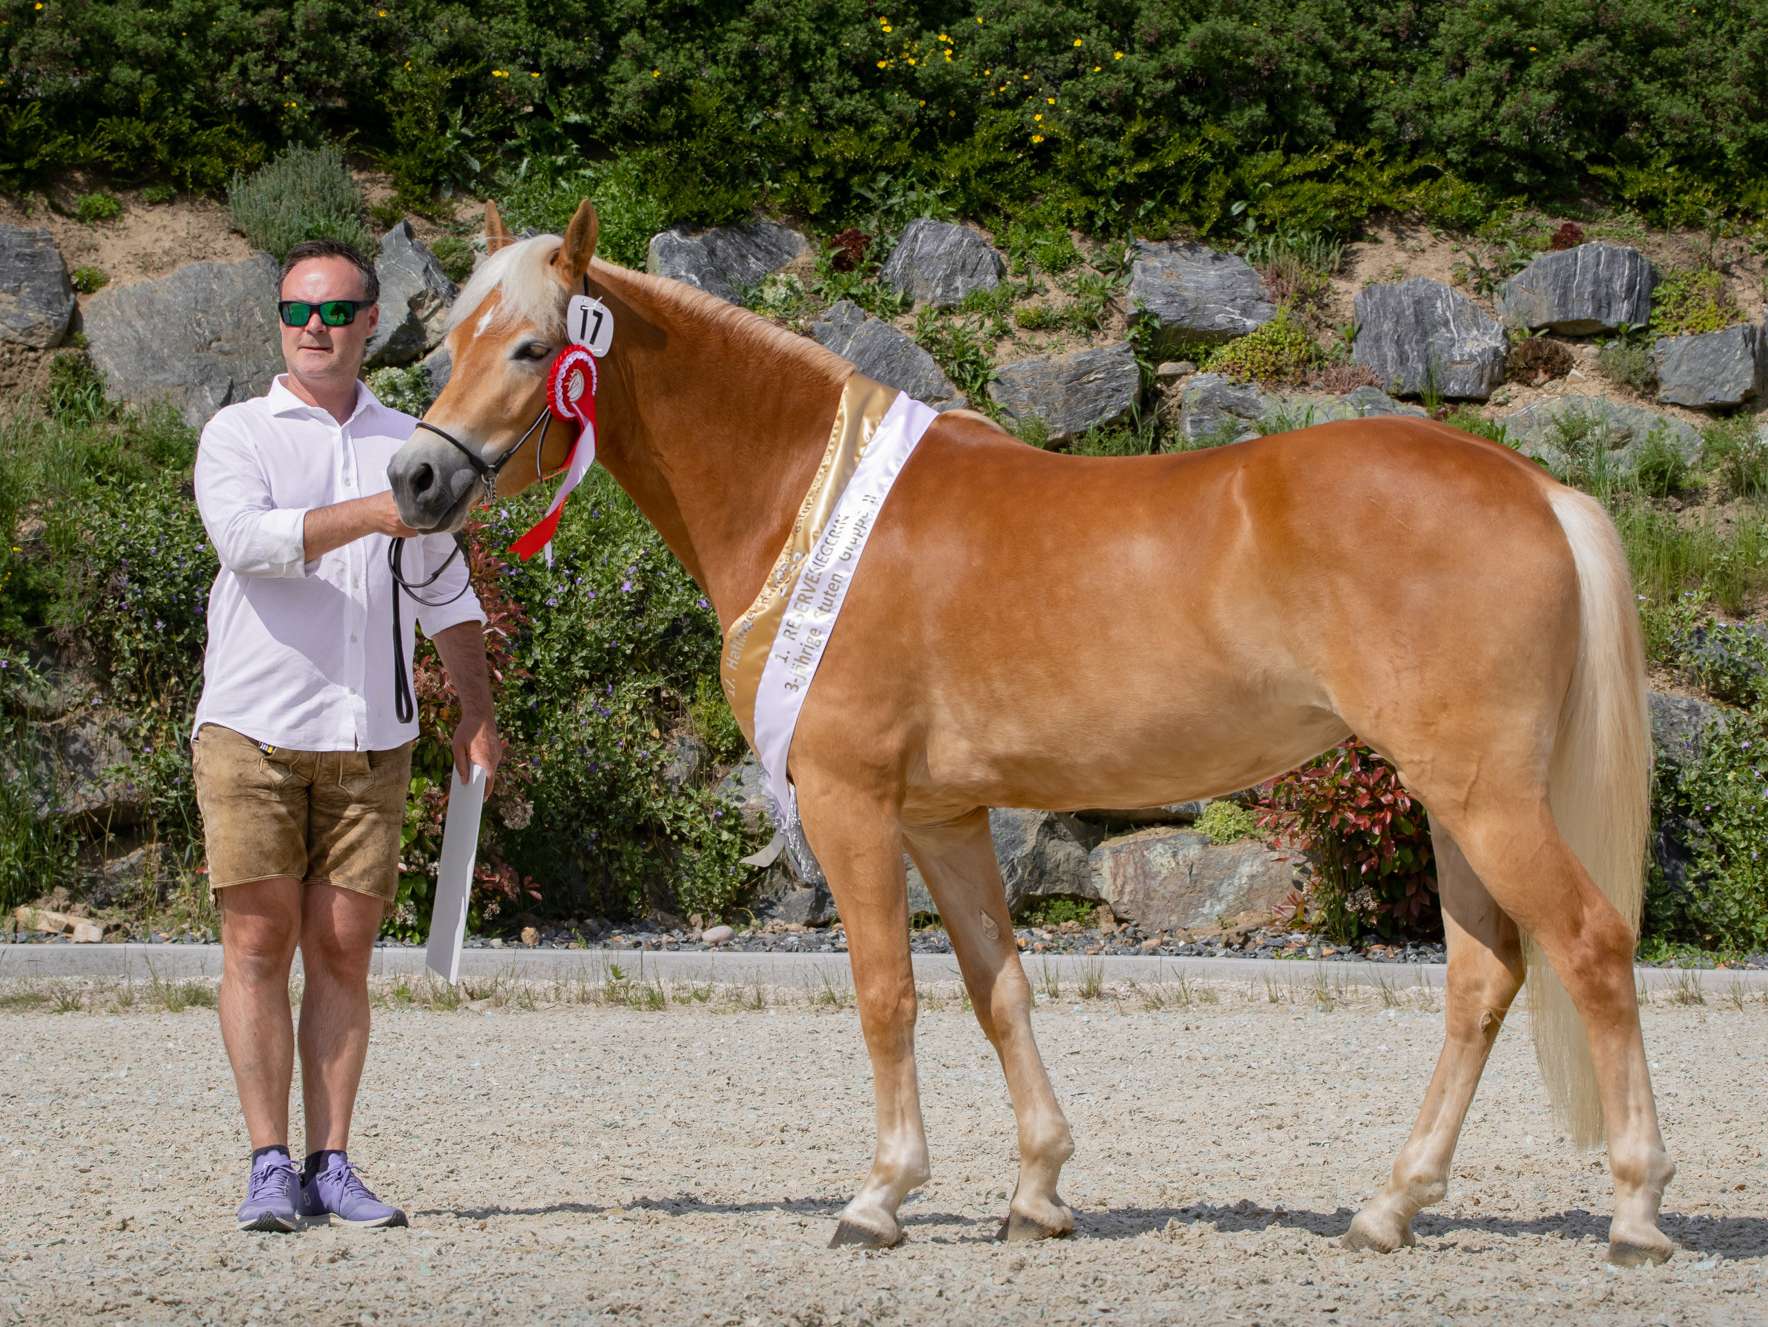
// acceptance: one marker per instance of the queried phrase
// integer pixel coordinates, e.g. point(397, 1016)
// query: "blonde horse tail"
point(1599, 787)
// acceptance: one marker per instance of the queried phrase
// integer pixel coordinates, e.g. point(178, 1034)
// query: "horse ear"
point(496, 233)
point(579, 246)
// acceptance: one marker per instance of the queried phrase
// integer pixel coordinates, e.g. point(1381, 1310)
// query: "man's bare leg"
point(260, 924)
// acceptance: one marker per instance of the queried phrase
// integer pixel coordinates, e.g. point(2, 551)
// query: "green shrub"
point(1469, 420)
point(34, 848)
point(1737, 454)
point(302, 194)
point(1037, 318)
point(97, 207)
point(624, 192)
point(1280, 353)
point(1227, 822)
point(1728, 564)
point(1660, 470)
point(404, 388)
point(455, 254)
point(157, 195)
point(1051, 910)
point(1716, 804)
point(1369, 842)
point(1627, 363)
point(88, 279)
point(1135, 438)
point(1692, 300)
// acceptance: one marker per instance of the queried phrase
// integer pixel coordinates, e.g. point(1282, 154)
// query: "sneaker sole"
point(374, 1223)
point(271, 1223)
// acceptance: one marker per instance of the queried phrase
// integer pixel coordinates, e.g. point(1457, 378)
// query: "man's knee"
point(338, 933)
point(259, 933)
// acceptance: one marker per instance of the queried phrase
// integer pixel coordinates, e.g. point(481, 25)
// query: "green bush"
point(1692, 300)
point(1227, 822)
point(303, 194)
point(455, 255)
point(1280, 353)
point(1716, 804)
point(156, 195)
point(404, 388)
point(92, 208)
point(1737, 454)
point(1627, 363)
point(88, 279)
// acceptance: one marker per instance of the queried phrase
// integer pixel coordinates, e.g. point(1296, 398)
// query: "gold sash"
point(751, 637)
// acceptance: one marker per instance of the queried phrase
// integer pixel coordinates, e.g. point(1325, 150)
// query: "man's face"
point(316, 353)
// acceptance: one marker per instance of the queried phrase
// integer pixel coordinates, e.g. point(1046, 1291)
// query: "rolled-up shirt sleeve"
point(252, 535)
point(454, 579)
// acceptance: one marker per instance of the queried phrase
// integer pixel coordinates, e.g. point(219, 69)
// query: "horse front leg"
point(958, 862)
point(858, 842)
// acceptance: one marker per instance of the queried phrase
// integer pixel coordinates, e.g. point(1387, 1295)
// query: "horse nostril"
point(421, 480)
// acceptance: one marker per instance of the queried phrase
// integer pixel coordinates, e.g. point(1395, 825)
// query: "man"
point(301, 766)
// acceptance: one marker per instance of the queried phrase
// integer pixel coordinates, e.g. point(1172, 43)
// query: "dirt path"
point(586, 1163)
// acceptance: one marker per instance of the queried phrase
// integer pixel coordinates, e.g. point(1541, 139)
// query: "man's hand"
point(476, 743)
point(326, 528)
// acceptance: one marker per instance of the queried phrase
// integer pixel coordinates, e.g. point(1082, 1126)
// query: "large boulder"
point(1710, 369)
point(884, 354)
point(1214, 409)
point(1042, 854)
point(725, 260)
point(1070, 393)
point(1679, 725)
point(1419, 336)
point(937, 263)
point(1544, 429)
point(36, 298)
point(1176, 879)
point(1192, 293)
point(1577, 292)
point(415, 295)
point(203, 337)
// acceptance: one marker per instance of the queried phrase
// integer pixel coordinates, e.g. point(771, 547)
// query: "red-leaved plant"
point(1368, 841)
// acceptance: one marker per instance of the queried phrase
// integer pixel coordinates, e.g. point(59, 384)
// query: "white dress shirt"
point(300, 653)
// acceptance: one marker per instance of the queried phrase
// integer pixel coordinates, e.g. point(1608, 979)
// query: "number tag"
point(589, 324)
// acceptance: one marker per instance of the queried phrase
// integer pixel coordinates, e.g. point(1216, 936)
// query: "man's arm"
point(476, 742)
point(326, 528)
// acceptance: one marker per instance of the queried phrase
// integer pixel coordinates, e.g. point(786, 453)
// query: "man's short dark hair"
point(371, 284)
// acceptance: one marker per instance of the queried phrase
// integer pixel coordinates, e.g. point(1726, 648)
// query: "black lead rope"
point(404, 704)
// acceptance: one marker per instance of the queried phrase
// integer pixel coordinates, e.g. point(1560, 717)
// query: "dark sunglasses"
point(332, 312)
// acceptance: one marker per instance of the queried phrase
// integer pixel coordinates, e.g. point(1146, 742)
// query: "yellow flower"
point(944, 38)
point(979, 22)
point(1079, 42)
point(1095, 69)
point(920, 103)
point(656, 73)
point(39, 4)
point(1117, 55)
point(911, 59)
point(986, 73)
point(948, 57)
point(1532, 48)
point(883, 64)
point(1037, 138)
point(1049, 101)
point(888, 28)
point(380, 13)
point(533, 75)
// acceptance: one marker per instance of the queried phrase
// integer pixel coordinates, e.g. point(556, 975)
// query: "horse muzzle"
point(432, 483)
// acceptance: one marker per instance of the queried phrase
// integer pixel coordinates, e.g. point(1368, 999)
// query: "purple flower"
point(702, 602)
point(626, 587)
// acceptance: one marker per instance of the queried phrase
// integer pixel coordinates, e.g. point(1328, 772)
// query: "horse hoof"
point(1640, 1252)
point(1020, 1228)
point(851, 1234)
point(1365, 1233)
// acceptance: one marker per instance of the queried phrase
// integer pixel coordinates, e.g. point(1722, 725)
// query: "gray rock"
point(718, 935)
point(782, 899)
point(1196, 294)
point(1070, 393)
point(1172, 370)
point(1710, 369)
point(745, 787)
point(687, 757)
point(1173, 813)
point(1041, 854)
point(36, 297)
point(937, 263)
point(1419, 335)
point(1176, 879)
point(438, 368)
point(1576, 292)
point(1214, 409)
point(1543, 428)
point(203, 337)
point(725, 260)
point(1678, 725)
point(415, 295)
point(882, 353)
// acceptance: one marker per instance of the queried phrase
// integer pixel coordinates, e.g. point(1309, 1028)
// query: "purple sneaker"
point(337, 1190)
point(272, 1194)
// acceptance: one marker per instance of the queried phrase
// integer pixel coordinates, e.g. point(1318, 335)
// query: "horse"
point(1040, 630)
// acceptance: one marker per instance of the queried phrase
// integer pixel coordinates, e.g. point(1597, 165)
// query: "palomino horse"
point(1037, 630)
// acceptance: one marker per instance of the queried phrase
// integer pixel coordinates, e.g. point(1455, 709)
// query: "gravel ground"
point(586, 1163)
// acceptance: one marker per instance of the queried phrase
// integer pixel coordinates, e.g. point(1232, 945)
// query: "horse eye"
point(533, 350)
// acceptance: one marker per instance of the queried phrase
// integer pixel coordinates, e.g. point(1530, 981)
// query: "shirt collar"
point(283, 401)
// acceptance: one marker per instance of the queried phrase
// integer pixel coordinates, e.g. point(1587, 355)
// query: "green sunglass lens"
point(337, 312)
point(295, 313)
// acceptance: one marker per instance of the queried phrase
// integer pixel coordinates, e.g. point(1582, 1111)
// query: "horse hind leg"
point(1485, 972)
point(958, 862)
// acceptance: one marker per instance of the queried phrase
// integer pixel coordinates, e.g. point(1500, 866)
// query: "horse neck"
point(723, 423)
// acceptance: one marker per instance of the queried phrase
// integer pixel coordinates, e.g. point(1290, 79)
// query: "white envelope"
point(454, 879)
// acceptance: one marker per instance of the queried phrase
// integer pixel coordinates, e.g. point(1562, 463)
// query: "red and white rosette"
point(570, 395)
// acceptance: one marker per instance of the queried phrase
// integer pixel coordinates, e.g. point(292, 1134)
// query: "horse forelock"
point(528, 292)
